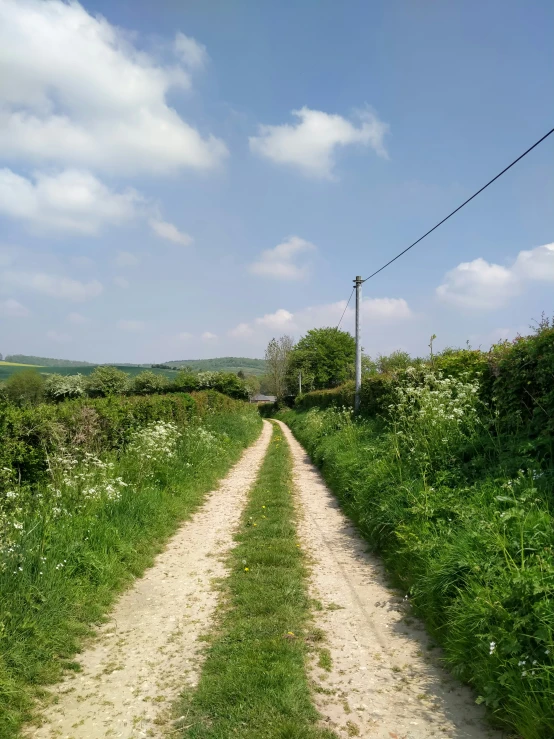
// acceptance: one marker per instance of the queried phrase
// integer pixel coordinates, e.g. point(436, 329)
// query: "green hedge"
point(470, 541)
point(516, 383)
point(31, 433)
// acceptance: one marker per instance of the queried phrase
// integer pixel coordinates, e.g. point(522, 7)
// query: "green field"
point(16, 364)
point(46, 365)
point(8, 369)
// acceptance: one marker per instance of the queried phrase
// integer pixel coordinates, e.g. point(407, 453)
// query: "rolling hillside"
point(46, 365)
point(222, 364)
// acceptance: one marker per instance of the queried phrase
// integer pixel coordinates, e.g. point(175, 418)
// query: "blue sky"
point(182, 180)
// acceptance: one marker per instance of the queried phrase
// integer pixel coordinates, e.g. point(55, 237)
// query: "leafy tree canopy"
point(326, 358)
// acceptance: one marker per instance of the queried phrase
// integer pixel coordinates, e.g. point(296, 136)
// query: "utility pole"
point(300, 383)
point(358, 286)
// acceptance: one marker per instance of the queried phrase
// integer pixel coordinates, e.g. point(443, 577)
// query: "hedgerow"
point(89, 491)
point(449, 473)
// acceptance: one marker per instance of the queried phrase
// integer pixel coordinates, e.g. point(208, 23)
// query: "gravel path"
point(149, 649)
point(384, 682)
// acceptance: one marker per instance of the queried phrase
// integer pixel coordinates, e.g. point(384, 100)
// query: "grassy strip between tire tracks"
point(253, 682)
point(70, 576)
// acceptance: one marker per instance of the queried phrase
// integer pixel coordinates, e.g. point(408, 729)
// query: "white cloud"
point(536, 264)
point(121, 282)
point(61, 338)
point(279, 262)
point(208, 336)
point(129, 325)
point(386, 309)
point(242, 331)
point(310, 144)
point(71, 200)
point(76, 91)
point(280, 320)
point(480, 285)
point(381, 311)
point(77, 319)
point(184, 336)
point(54, 286)
point(13, 309)
point(82, 262)
point(170, 232)
point(192, 54)
point(126, 259)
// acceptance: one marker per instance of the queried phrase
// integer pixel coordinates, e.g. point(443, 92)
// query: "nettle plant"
point(433, 416)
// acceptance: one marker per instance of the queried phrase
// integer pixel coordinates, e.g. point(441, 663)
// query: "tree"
point(397, 360)
point(25, 387)
point(106, 380)
point(277, 359)
point(326, 358)
point(252, 384)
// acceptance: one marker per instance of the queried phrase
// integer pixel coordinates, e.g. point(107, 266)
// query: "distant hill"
point(16, 362)
point(222, 364)
point(45, 361)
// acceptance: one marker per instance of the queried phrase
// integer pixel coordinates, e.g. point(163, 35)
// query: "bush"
point(463, 523)
point(105, 381)
point(25, 388)
point(185, 382)
point(96, 517)
point(148, 382)
point(31, 434)
point(63, 387)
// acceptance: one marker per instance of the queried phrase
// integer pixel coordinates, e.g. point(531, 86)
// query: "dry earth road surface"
point(384, 682)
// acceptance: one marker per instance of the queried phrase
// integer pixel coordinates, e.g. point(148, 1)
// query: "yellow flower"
point(246, 569)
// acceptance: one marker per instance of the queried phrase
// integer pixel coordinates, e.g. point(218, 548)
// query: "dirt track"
point(149, 649)
point(384, 681)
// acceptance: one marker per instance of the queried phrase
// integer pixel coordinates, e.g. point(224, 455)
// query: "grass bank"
point(464, 524)
point(76, 538)
point(254, 683)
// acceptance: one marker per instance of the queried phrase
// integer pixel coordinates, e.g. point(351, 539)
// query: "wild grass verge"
point(465, 526)
point(253, 683)
point(74, 540)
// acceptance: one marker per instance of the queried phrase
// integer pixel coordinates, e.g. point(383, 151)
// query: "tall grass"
point(71, 542)
point(464, 523)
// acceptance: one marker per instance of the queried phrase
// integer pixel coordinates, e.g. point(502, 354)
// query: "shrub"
point(25, 387)
point(148, 382)
point(62, 387)
point(105, 381)
point(185, 382)
point(463, 522)
point(31, 434)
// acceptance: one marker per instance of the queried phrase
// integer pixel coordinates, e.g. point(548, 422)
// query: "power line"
point(346, 306)
point(458, 208)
